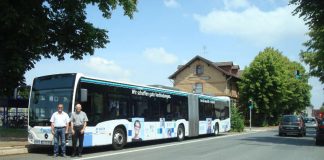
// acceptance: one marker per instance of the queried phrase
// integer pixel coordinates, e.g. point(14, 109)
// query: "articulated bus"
point(119, 113)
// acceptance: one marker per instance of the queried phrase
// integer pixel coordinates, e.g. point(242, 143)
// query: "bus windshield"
point(47, 93)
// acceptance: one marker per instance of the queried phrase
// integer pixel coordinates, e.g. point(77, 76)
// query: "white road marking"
point(164, 146)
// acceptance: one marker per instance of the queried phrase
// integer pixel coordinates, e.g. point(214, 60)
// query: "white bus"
point(119, 113)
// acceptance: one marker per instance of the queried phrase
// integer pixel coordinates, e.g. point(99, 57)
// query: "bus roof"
point(89, 79)
point(101, 81)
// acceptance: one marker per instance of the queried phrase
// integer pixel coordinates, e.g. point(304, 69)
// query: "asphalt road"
point(250, 146)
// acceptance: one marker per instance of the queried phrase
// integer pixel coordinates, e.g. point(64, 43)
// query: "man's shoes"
point(79, 155)
point(55, 155)
point(73, 155)
point(63, 155)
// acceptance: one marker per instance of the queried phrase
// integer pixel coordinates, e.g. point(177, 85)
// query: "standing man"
point(79, 121)
point(59, 124)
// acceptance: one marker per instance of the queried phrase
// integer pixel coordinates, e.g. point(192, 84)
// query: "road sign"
point(250, 104)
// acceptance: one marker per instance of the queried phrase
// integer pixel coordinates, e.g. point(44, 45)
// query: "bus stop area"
point(13, 113)
point(13, 126)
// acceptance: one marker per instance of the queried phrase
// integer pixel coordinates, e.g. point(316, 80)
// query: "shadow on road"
point(98, 149)
point(287, 140)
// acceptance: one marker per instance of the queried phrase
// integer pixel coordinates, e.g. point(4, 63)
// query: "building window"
point(198, 88)
point(199, 70)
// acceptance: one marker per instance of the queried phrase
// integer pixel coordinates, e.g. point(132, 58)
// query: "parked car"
point(320, 132)
point(311, 124)
point(292, 124)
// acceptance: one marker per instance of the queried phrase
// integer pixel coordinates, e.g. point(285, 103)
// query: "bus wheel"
point(118, 139)
point(216, 130)
point(180, 133)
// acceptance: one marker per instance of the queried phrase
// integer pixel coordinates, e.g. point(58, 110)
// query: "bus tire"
point(317, 142)
point(180, 133)
point(216, 130)
point(118, 139)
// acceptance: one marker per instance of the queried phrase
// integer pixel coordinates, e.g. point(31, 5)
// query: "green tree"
point(271, 82)
point(312, 12)
point(23, 92)
point(31, 30)
point(298, 92)
point(237, 120)
point(322, 109)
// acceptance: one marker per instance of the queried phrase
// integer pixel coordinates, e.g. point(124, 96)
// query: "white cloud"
point(236, 4)
point(317, 92)
point(108, 68)
point(171, 3)
point(159, 55)
point(254, 24)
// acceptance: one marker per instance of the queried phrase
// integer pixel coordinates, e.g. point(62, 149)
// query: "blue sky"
point(165, 33)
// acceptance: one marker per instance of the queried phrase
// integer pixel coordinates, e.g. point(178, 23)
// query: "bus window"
point(221, 110)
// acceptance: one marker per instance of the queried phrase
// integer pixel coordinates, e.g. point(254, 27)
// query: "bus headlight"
point(30, 137)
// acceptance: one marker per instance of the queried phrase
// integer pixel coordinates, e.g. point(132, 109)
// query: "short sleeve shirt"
point(60, 120)
point(78, 119)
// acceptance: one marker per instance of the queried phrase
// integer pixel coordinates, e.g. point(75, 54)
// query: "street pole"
point(250, 103)
point(250, 119)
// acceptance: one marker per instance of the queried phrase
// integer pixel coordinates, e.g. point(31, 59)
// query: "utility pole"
point(250, 119)
point(250, 107)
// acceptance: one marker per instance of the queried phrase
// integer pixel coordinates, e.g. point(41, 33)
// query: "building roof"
point(223, 63)
point(235, 67)
point(217, 65)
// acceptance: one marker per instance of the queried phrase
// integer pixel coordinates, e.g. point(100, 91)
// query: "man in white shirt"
point(59, 124)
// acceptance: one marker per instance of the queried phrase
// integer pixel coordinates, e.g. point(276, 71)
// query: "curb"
point(13, 150)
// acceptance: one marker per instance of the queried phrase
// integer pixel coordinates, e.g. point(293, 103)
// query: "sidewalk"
point(260, 129)
point(12, 145)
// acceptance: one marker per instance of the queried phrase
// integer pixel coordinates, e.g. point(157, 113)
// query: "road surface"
point(248, 146)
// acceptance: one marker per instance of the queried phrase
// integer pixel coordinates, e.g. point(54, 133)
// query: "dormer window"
point(199, 69)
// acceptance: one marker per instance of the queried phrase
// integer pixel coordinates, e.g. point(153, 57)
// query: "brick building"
point(203, 76)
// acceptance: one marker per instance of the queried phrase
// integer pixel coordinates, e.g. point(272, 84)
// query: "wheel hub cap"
point(118, 138)
point(180, 133)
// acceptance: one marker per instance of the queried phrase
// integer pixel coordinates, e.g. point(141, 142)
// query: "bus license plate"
point(37, 142)
point(46, 142)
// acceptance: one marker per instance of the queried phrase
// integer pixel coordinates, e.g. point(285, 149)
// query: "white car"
point(311, 124)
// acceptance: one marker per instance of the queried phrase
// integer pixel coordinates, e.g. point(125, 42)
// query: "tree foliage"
point(237, 120)
point(271, 82)
point(23, 92)
point(31, 30)
point(322, 109)
point(312, 12)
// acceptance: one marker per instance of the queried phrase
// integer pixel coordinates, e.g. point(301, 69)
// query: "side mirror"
point(84, 95)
